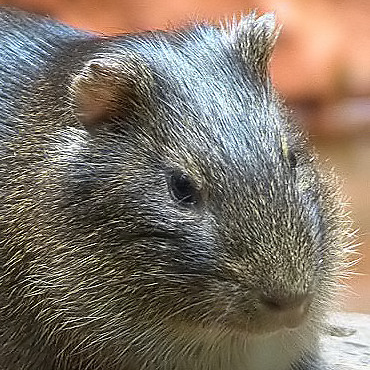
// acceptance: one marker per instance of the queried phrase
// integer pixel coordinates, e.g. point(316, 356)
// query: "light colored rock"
point(347, 343)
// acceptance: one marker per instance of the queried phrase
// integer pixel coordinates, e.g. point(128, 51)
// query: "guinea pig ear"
point(254, 38)
point(109, 86)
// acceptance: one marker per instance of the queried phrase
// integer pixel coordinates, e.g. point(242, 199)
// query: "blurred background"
point(321, 65)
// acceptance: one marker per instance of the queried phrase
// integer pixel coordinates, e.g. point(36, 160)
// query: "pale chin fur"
point(214, 350)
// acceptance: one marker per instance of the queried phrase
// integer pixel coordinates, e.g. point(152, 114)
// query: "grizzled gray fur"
point(159, 209)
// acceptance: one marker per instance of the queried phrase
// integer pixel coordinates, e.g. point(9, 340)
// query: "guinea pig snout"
point(288, 310)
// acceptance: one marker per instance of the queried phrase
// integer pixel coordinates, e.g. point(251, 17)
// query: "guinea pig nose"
point(284, 303)
point(289, 311)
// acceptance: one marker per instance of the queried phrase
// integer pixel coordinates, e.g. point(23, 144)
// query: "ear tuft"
point(108, 86)
point(254, 38)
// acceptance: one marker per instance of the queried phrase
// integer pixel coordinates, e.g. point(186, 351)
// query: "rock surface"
point(347, 344)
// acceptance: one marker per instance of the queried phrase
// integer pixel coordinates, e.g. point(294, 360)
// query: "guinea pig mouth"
point(267, 318)
point(289, 320)
point(266, 325)
point(255, 327)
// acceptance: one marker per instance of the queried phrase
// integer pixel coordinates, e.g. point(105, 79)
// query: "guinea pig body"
point(159, 209)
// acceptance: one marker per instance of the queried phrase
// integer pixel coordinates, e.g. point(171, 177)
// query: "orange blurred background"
point(321, 65)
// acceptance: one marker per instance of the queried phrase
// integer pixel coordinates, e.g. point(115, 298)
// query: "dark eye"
point(183, 188)
point(292, 158)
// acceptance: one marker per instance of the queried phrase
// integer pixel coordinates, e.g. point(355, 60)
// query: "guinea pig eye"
point(292, 158)
point(183, 188)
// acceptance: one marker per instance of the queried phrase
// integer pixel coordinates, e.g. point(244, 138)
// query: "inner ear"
point(106, 87)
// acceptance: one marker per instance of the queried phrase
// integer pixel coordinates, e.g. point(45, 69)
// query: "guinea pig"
point(160, 209)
